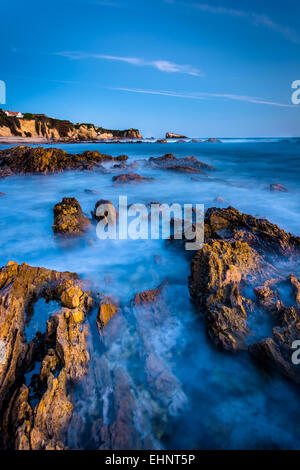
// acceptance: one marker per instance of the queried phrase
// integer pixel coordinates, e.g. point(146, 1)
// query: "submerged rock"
point(213, 140)
point(130, 178)
point(184, 165)
point(38, 424)
point(148, 296)
point(278, 188)
point(24, 159)
point(91, 191)
point(69, 218)
point(109, 211)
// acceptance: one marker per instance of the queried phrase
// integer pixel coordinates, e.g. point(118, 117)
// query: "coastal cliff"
point(40, 126)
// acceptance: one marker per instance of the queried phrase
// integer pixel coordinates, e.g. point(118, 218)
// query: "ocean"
point(198, 397)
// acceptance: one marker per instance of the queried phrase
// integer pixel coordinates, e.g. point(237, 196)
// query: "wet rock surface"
point(183, 165)
point(24, 159)
point(119, 412)
point(131, 178)
point(35, 416)
point(69, 219)
point(239, 257)
point(148, 296)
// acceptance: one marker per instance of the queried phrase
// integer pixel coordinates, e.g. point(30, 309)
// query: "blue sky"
point(211, 68)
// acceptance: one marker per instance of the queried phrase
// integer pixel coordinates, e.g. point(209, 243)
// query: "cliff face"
point(39, 125)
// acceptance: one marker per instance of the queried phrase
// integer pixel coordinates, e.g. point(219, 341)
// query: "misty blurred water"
point(227, 401)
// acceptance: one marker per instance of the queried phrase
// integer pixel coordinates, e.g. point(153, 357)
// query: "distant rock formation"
point(170, 135)
point(40, 125)
point(213, 140)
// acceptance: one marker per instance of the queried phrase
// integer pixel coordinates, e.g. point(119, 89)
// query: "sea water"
point(203, 398)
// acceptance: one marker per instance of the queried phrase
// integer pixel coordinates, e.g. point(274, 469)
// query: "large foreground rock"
point(236, 273)
point(36, 415)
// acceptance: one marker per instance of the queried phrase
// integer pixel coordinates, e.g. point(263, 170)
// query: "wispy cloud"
point(162, 65)
point(256, 19)
point(206, 95)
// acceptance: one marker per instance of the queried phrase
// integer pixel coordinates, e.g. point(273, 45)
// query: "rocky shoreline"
point(233, 277)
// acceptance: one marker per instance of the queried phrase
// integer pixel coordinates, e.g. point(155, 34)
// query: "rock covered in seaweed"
point(24, 159)
point(69, 218)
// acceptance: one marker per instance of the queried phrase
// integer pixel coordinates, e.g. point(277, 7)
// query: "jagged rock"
point(24, 159)
point(217, 272)
point(278, 188)
point(185, 165)
point(69, 218)
point(161, 141)
point(148, 296)
point(276, 352)
point(239, 253)
point(70, 297)
point(265, 237)
point(62, 351)
point(130, 178)
point(107, 309)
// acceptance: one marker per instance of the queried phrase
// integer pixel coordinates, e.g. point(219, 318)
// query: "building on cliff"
point(16, 114)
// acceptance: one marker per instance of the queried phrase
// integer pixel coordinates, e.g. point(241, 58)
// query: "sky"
point(203, 69)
